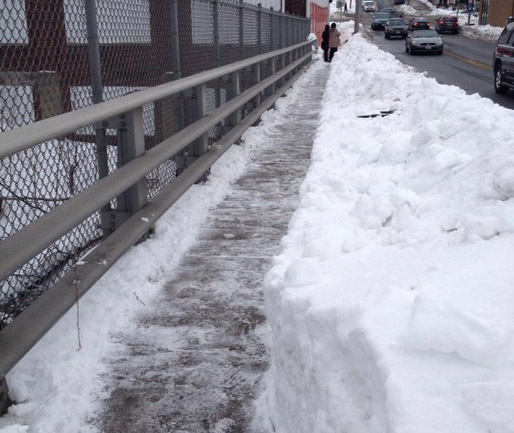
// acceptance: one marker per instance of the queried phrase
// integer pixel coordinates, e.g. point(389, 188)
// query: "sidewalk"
point(196, 362)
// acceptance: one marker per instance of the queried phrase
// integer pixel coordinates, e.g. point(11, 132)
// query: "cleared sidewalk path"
point(197, 361)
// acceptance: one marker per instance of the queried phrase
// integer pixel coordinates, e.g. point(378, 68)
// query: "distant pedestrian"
point(345, 8)
point(325, 37)
point(334, 41)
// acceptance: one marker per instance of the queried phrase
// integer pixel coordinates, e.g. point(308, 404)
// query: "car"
point(418, 23)
point(368, 6)
point(399, 2)
point(392, 12)
point(448, 24)
point(378, 21)
point(426, 41)
point(395, 27)
point(503, 60)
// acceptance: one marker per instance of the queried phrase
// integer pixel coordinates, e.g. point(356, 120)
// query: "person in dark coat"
point(325, 37)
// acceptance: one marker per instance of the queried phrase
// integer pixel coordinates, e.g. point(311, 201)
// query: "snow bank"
point(391, 300)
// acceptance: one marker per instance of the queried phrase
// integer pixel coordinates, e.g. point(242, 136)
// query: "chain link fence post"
point(241, 30)
point(95, 68)
point(280, 31)
point(259, 28)
point(216, 31)
point(175, 41)
point(271, 32)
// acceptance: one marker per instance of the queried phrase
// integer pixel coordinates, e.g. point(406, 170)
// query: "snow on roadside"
point(391, 300)
point(59, 387)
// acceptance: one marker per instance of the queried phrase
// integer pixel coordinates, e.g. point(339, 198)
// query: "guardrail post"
point(5, 402)
point(257, 79)
point(282, 60)
point(241, 30)
point(259, 28)
point(234, 88)
point(271, 71)
point(131, 144)
point(201, 145)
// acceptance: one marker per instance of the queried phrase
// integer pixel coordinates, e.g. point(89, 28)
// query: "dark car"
point(418, 23)
point(426, 41)
point(378, 21)
point(392, 12)
point(395, 27)
point(447, 24)
point(503, 60)
point(399, 2)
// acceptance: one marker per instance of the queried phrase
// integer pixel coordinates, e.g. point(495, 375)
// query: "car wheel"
point(406, 48)
point(499, 87)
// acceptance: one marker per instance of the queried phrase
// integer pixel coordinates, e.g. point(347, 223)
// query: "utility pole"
point(357, 16)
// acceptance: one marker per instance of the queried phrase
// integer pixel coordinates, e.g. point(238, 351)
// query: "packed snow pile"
point(391, 300)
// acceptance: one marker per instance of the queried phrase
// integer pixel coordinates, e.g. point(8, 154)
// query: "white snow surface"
point(391, 300)
point(390, 303)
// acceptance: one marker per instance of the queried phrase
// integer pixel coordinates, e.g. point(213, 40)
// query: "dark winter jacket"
point(325, 36)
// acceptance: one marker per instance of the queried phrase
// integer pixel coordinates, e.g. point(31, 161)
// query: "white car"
point(368, 6)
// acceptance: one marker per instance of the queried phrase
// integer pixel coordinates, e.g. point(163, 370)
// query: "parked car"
point(399, 2)
point(503, 60)
point(448, 24)
point(378, 21)
point(427, 41)
point(418, 23)
point(368, 6)
point(395, 27)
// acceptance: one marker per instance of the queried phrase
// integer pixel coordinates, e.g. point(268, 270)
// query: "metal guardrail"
point(127, 183)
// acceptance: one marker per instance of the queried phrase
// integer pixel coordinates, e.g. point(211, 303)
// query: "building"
point(496, 12)
point(317, 10)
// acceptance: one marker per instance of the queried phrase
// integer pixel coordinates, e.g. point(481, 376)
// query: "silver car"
point(424, 41)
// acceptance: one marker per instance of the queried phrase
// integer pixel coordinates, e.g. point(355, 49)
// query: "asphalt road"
point(465, 62)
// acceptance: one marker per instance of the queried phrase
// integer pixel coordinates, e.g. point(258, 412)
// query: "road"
point(465, 63)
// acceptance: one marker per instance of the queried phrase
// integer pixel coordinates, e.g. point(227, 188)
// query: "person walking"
point(325, 37)
point(333, 41)
point(345, 8)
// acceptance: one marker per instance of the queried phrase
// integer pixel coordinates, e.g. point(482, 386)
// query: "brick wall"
point(297, 7)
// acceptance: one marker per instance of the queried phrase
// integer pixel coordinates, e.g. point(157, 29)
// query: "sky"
point(389, 304)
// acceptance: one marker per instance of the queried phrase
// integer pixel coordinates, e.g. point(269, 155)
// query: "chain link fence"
point(47, 68)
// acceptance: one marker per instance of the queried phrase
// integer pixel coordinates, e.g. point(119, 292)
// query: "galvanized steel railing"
point(135, 214)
